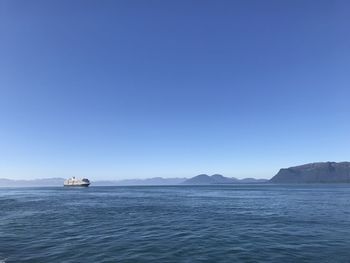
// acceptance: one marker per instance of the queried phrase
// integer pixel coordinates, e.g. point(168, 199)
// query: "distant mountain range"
point(322, 172)
point(204, 179)
point(31, 183)
point(148, 181)
point(59, 182)
point(197, 180)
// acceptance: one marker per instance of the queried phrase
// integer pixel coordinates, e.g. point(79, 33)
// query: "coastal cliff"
point(322, 172)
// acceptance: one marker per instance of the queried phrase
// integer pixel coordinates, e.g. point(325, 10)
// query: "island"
point(320, 172)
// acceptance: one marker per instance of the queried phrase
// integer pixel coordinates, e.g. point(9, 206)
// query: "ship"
point(77, 182)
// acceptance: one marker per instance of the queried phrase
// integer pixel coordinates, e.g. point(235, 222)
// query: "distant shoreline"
point(311, 173)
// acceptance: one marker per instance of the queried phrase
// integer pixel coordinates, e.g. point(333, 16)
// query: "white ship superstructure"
point(76, 182)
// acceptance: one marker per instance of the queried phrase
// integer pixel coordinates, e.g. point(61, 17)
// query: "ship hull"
point(76, 185)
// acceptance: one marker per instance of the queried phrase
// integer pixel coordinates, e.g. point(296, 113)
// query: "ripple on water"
point(246, 223)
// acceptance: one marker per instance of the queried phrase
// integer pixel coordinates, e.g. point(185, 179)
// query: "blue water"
point(243, 223)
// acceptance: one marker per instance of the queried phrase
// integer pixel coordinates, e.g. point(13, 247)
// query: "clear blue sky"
point(134, 89)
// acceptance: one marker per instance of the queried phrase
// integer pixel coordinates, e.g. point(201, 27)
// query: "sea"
point(227, 223)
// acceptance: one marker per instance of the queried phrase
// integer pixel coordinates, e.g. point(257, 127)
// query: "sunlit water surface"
point(241, 223)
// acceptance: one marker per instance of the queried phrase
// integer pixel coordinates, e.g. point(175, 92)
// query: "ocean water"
point(240, 223)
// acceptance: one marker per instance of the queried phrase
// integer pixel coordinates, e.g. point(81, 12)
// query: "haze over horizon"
point(114, 90)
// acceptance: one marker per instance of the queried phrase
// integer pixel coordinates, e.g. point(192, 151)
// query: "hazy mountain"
point(59, 182)
point(199, 179)
point(148, 181)
point(31, 183)
point(323, 172)
point(253, 180)
point(204, 179)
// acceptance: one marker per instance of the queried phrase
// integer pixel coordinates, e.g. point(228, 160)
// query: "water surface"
point(241, 223)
